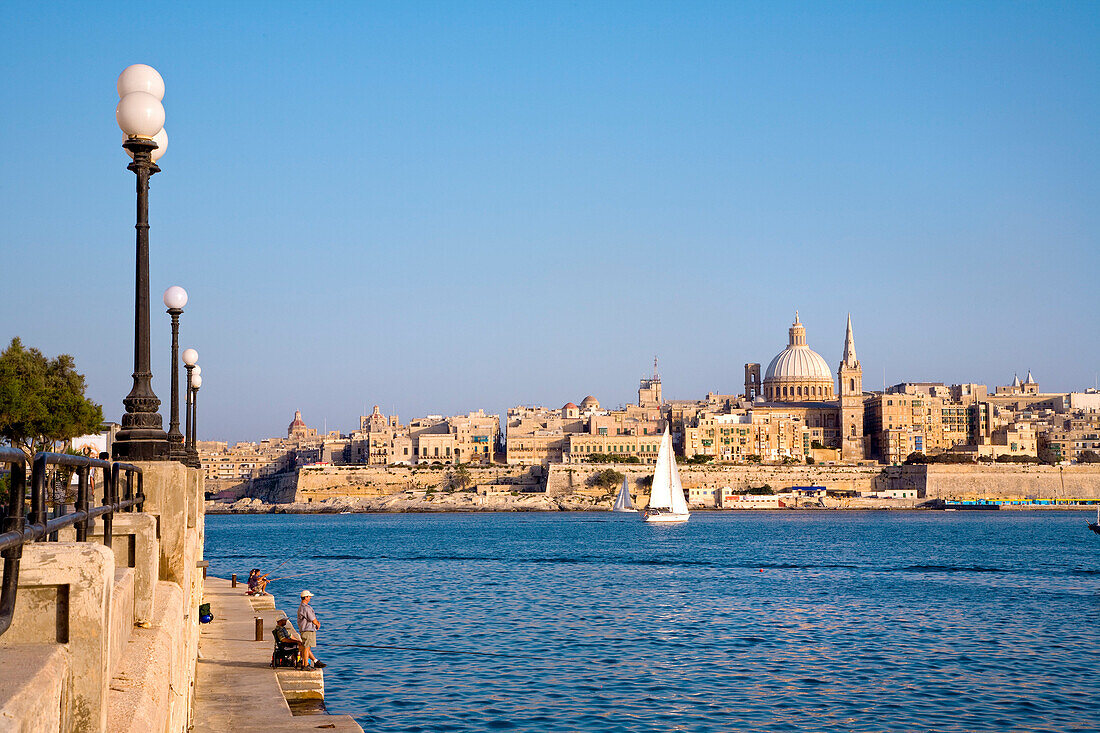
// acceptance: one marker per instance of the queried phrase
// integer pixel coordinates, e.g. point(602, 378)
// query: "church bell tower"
point(850, 376)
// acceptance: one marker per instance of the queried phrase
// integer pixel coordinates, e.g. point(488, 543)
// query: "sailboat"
point(622, 501)
point(666, 497)
point(1095, 527)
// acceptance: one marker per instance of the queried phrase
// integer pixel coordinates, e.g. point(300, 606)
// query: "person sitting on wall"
point(288, 646)
point(256, 583)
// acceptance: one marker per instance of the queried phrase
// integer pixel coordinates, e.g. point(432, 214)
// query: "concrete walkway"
point(235, 687)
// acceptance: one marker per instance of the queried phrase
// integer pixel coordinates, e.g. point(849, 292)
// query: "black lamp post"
point(175, 298)
point(196, 382)
point(190, 358)
point(141, 118)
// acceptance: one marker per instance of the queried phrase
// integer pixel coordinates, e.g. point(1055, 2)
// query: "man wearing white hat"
point(308, 626)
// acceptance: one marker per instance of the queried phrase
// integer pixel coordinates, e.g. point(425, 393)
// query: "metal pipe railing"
point(18, 526)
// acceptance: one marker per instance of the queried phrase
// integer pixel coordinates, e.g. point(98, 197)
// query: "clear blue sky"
point(441, 207)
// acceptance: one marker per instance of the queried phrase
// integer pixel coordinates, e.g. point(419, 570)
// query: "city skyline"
point(443, 208)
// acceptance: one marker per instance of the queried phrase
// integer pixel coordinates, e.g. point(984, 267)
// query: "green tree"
point(1088, 456)
point(1046, 455)
point(42, 400)
point(606, 479)
point(459, 478)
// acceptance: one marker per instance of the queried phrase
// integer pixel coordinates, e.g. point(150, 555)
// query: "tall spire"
point(850, 346)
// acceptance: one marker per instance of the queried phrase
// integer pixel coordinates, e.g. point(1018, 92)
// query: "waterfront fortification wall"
point(564, 480)
point(324, 485)
point(314, 484)
point(1020, 481)
point(106, 639)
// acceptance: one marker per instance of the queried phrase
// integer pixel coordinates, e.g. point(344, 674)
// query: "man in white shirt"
point(308, 626)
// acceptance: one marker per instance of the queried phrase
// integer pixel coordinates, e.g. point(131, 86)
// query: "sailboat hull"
point(625, 511)
point(666, 518)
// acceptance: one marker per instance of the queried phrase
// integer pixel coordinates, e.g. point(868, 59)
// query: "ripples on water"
point(776, 621)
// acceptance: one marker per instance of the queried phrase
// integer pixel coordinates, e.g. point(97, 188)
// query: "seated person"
point(285, 639)
point(256, 583)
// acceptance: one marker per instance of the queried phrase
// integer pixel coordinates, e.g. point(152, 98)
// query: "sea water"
point(771, 621)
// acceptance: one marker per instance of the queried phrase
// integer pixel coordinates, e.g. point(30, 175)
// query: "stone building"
point(913, 421)
point(537, 435)
point(740, 435)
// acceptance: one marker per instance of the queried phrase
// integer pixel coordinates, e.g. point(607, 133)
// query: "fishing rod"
point(290, 557)
point(298, 575)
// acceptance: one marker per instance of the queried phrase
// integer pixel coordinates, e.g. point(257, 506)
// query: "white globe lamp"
point(175, 297)
point(140, 115)
point(140, 78)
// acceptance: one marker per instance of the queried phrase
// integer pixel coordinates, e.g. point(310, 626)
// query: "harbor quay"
point(113, 636)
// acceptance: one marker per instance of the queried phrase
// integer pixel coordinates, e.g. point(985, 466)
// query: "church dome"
point(297, 422)
point(798, 373)
point(590, 402)
point(569, 406)
point(799, 362)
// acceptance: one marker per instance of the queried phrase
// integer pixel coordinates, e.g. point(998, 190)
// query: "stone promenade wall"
point(106, 639)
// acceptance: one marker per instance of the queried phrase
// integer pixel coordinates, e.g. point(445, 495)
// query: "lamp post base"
point(177, 451)
point(140, 445)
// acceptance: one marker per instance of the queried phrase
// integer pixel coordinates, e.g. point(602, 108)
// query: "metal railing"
point(18, 526)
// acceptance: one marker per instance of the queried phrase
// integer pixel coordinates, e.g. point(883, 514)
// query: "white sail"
point(660, 493)
point(622, 501)
point(666, 498)
point(679, 503)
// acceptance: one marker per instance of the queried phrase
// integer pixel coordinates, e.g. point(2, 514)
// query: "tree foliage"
point(458, 478)
point(611, 458)
point(42, 400)
point(1088, 456)
point(606, 479)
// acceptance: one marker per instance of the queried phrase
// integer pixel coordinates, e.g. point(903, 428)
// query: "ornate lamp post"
point(175, 298)
point(190, 359)
point(141, 118)
point(196, 382)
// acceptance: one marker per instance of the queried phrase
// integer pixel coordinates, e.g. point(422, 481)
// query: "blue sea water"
point(768, 621)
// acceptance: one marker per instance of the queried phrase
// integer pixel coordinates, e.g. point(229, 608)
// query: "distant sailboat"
point(622, 501)
point(1096, 527)
point(666, 497)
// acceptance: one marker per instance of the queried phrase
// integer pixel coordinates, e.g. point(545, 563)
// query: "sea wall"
point(999, 481)
point(313, 484)
point(110, 635)
point(372, 484)
point(568, 479)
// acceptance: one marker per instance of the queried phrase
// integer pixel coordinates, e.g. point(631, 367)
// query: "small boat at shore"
point(623, 502)
point(666, 496)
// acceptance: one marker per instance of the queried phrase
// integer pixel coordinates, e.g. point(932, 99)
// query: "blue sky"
point(443, 206)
